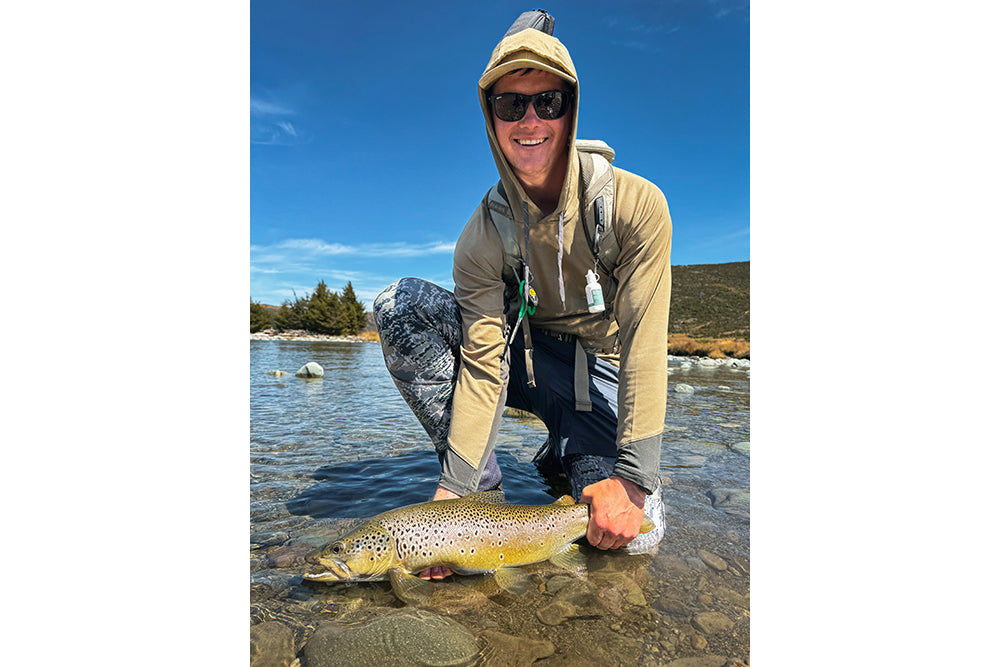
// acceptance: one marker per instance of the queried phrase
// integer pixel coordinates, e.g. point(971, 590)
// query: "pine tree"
point(323, 311)
point(260, 317)
point(292, 314)
point(353, 311)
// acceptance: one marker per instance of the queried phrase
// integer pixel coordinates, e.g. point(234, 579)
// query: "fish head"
point(364, 554)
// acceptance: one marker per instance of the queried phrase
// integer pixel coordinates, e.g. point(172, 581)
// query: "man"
point(459, 359)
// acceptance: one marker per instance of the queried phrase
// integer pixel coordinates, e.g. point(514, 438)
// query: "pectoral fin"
point(408, 588)
point(571, 559)
point(512, 580)
point(646, 525)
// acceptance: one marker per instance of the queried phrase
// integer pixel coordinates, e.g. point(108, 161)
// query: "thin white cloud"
point(320, 247)
point(261, 108)
point(269, 123)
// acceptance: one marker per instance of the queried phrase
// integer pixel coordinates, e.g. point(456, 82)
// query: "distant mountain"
point(711, 300)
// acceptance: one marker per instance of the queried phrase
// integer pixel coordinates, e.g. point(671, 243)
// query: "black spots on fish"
point(501, 556)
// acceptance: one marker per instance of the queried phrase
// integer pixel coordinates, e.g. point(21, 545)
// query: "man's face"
point(533, 147)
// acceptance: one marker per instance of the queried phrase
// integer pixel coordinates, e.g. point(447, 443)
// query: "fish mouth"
point(336, 570)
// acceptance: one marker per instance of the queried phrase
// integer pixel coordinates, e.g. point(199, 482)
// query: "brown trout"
point(476, 534)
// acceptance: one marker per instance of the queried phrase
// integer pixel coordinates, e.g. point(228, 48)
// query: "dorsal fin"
point(565, 500)
point(494, 497)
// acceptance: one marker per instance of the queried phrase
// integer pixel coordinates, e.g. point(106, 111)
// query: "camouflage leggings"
point(421, 331)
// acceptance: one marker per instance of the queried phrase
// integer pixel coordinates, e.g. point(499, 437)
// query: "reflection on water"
point(327, 452)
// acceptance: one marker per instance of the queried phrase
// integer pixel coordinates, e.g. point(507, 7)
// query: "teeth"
point(530, 142)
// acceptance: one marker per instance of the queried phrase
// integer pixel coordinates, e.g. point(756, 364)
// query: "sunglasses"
point(549, 105)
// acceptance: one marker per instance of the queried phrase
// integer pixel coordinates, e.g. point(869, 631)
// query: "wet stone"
point(272, 644)
point(508, 651)
point(672, 606)
point(732, 501)
point(310, 370)
point(405, 637)
point(272, 539)
point(699, 661)
point(557, 612)
point(682, 388)
point(712, 622)
point(713, 561)
point(290, 555)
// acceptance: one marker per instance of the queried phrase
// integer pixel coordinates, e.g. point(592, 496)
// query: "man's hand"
point(616, 506)
point(443, 571)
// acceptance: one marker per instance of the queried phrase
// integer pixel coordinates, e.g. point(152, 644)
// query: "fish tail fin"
point(646, 526)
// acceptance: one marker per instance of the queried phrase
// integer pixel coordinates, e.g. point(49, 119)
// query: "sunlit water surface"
point(327, 452)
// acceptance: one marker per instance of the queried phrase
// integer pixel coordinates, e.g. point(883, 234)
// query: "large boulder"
point(310, 370)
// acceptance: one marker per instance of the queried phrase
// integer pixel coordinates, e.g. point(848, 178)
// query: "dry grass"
point(715, 348)
point(369, 336)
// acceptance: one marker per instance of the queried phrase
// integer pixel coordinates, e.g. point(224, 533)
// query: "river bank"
point(299, 334)
point(722, 350)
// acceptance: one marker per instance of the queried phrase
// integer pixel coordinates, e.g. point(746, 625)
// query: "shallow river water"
point(327, 452)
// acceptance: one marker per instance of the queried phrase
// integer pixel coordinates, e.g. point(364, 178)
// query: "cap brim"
point(491, 77)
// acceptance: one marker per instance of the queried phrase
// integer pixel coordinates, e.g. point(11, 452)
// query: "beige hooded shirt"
point(637, 330)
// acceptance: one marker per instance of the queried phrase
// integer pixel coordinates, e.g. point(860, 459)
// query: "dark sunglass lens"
point(510, 106)
point(549, 105)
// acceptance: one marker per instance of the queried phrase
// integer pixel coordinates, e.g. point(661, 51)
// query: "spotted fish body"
point(475, 534)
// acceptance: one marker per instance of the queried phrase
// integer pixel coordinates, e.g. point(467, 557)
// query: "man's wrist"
point(635, 492)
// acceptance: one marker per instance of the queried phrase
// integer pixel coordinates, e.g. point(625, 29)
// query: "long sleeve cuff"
point(639, 462)
point(456, 475)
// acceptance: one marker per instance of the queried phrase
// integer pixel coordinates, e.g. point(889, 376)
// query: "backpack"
point(597, 199)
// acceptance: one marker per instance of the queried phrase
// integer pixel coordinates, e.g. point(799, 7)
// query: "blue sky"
point(368, 151)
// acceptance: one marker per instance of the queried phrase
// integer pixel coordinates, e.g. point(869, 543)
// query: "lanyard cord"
point(524, 288)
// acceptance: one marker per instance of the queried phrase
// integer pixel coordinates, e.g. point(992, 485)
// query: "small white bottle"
point(595, 295)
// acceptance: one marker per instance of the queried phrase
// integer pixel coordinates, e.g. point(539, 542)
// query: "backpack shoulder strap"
point(598, 202)
point(503, 220)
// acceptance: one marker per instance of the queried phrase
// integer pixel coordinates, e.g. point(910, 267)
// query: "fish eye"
point(337, 548)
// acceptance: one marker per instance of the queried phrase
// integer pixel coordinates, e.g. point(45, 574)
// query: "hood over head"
point(534, 49)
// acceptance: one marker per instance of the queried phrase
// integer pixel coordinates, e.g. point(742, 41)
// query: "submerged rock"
point(509, 651)
point(558, 612)
point(272, 644)
point(310, 370)
point(712, 622)
point(397, 639)
point(733, 501)
point(713, 561)
point(743, 447)
point(699, 661)
point(682, 388)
